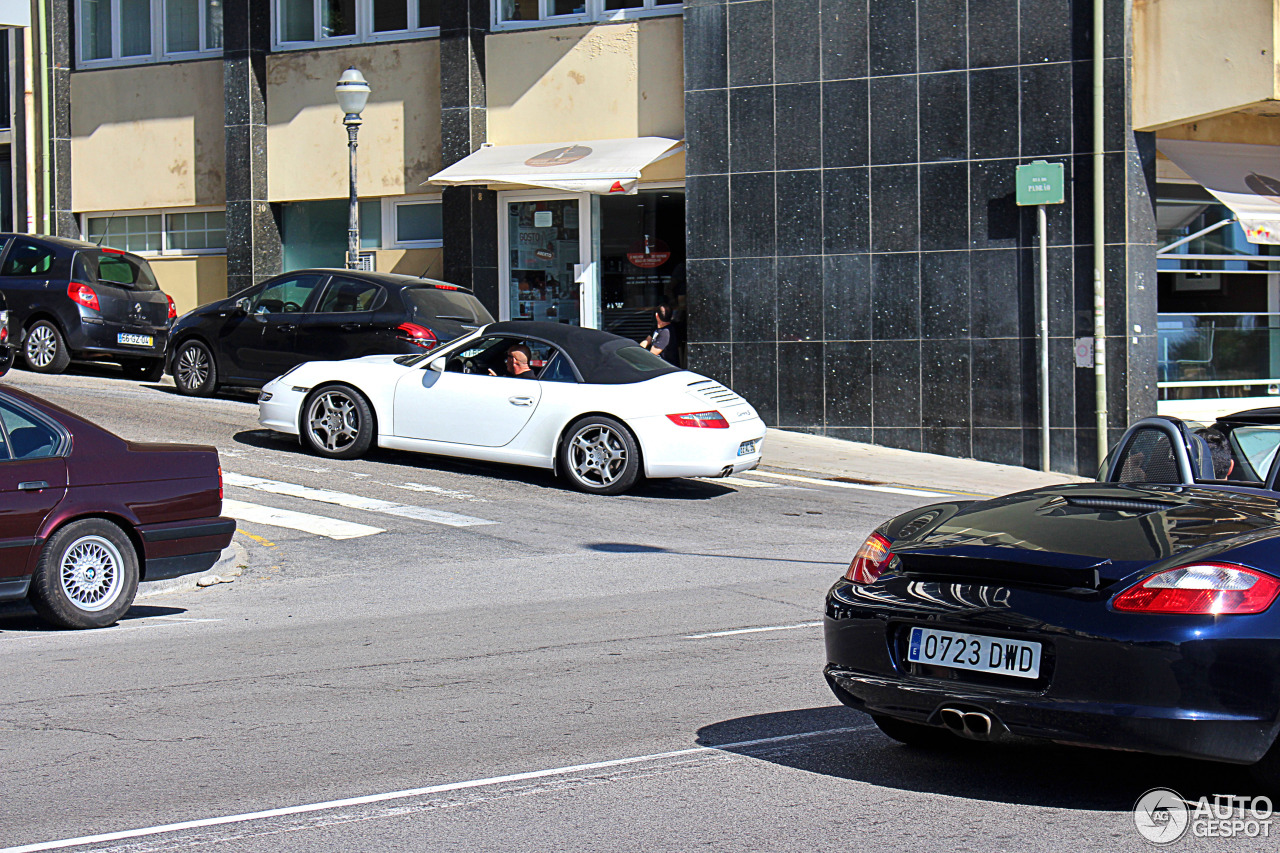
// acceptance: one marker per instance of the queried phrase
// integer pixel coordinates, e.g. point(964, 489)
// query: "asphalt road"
point(504, 665)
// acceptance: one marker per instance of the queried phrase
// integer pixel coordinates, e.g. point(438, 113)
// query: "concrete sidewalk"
point(828, 458)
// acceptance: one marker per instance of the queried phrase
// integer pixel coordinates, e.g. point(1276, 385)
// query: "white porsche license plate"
point(975, 652)
point(747, 447)
point(134, 340)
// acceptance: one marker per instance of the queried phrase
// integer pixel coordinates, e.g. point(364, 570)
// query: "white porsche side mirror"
point(437, 364)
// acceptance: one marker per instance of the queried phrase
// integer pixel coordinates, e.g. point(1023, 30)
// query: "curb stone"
point(233, 555)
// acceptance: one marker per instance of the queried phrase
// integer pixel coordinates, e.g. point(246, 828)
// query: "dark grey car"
point(73, 299)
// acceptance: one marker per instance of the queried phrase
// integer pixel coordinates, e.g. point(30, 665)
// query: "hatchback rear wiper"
point(455, 317)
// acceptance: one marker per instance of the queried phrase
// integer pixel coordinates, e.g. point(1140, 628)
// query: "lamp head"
point(352, 92)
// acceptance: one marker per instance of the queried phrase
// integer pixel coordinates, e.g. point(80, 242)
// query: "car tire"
point(195, 373)
point(45, 349)
point(915, 734)
point(599, 456)
point(337, 422)
point(87, 576)
point(144, 369)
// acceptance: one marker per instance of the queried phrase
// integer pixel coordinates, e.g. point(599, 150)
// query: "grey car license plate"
point(134, 340)
point(974, 652)
point(747, 447)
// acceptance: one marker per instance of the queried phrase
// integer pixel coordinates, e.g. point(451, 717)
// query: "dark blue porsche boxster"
point(1134, 613)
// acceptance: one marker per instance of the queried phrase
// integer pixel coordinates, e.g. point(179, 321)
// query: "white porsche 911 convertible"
point(596, 408)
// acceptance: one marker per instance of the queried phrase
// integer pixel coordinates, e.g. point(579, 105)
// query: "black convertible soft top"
point(593, 352)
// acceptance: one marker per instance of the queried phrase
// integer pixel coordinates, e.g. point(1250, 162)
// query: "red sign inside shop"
point(648, 254)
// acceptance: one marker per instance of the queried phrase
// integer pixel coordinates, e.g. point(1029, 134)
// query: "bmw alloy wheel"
point(598, 455)
point(91, 573)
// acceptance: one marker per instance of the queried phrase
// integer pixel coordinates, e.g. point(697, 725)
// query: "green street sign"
point(1041, 182)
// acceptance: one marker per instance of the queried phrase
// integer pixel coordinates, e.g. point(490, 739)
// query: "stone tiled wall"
point(857, 263)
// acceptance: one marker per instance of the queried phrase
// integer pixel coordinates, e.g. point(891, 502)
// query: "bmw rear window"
point(429, 303)
point(110, 268)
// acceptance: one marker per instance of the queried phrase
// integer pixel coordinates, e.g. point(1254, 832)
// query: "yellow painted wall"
point(147, 136)
point(424, 263)
point(1194, 59)
point(1244, 127)
point(567, 84)
point(399, 141)
point(192, 281)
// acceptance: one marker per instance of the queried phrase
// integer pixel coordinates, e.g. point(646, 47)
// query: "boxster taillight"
point(419, 336)
point(870, 561)
point(709, 420)
point(83, 294)
point(1201, 588)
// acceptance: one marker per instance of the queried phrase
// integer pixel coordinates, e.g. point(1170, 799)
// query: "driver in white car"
point(518, 363)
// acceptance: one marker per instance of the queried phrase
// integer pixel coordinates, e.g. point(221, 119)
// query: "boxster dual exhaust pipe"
point(975, 725)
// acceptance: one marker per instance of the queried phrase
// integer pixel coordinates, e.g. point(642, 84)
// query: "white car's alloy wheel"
point(600, 456)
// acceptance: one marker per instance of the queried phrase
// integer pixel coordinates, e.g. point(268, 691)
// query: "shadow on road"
point(234, 395)
point(1025, 773)
point(20, 616)
point(676, 489)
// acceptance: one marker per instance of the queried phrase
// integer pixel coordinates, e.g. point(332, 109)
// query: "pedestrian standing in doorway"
point(661, 340)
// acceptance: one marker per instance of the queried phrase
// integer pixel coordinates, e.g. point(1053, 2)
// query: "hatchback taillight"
point(870, 561)
point(710, 420)
point(83, 294)
point(219, 482)
point(173, 309)
point(419, 336)
point(1201, 588)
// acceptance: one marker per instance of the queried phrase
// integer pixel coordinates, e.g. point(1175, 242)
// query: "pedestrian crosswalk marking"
point(334, 528)
point(418, 513)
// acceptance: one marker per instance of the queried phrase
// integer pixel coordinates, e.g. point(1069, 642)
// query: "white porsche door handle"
point(520, 401)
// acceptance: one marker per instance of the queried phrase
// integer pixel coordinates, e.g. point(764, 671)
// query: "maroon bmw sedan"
point(86, 515)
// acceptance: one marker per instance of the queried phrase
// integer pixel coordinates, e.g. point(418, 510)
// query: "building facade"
point(824, 189)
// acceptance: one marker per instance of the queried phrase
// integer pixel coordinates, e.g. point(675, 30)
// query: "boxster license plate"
point(747, 447)
point(974, 652)
point(135, 340)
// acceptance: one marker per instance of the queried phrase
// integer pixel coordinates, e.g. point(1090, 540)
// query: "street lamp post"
point(353, 93)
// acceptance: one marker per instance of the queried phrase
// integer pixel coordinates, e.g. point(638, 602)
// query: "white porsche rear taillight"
point(1201, 588)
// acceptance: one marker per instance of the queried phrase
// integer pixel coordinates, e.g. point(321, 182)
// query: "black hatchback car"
point(255, 335)
point(73, 299)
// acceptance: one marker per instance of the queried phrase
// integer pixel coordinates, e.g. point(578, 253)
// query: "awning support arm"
point(1203, 231)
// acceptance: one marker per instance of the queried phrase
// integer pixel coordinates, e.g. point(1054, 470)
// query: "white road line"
point(416, 792)
point(332, 527)
point(893, 490)
point(435, 516)
point(752, 630)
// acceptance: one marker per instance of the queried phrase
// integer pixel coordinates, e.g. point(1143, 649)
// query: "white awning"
point(1246, 178)
point(602, 166)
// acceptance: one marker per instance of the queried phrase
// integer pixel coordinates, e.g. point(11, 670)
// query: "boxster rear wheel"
point(600, 456)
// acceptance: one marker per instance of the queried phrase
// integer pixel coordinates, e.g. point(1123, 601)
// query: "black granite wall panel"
point(254, 245)
point(858, 264)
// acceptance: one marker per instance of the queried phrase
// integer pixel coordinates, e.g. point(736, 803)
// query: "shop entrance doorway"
point(599, 261)
point(642, 255)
